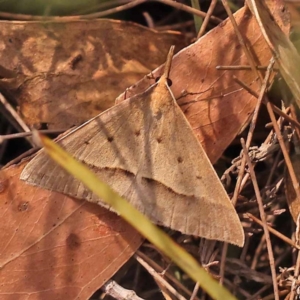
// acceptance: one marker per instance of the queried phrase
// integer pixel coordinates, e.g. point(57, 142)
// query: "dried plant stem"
point(263, 218)
point(14, 114)
point(158, 268)
point(284, 151)
point(105, 13)
point(29, 133)
point(158, 277)
point(243, 162)
point(118, 292)
point(207, 18)
point(241, 40)
point(242, 67)
point(278, 111)
point(275, 232)
point(296, 274)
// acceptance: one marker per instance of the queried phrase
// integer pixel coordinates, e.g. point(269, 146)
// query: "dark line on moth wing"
point(127, 173)
point(153, 181)
point(97, 169)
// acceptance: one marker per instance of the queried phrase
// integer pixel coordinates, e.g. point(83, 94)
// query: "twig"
point(274, 107)
point(29, 133)
point(243, 162)
point(105, 13)
point(274, 231)
point(242, 68)
point(14, 114)
point(158, 268)
point(296, 274)
point(118, 292)
point(157, 277)
point(263, 218)
point(207, 18)
point(253, 124)
point(241, 40)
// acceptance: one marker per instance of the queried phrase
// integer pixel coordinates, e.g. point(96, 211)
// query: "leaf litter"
point(251, 267)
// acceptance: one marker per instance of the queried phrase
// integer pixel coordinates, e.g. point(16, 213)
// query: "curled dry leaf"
point(216, 107)
point(70, 71)
point(54, 247)
point(291, 197)
point(284, 51)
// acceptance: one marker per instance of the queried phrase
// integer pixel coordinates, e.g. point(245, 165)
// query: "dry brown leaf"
point(284, 51)
point(216, 107)
point(54, 247)
point(70, 71)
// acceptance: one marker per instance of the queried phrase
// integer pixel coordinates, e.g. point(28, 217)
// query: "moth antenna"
point(168, 63)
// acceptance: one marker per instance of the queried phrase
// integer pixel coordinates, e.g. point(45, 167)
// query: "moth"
point(145, 149)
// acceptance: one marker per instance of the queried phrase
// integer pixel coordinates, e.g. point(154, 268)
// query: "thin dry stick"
point(274, 231)
point(243, 162)
point(242, 68)
point(29, 133)
point(240, 176)
point(207, 18)
point(274, 107)
point(14, 114)
point(190, 10)
point(296, 274)
point(158, 268)
point(273, 168)
point(259, 292)
point(157, 277)
point(105, 13)
point(118, 292)
point(195, 291)
point(241, 40)
point(257, 252)
point(252, 126)
point(294, 117)
point(284, 151)
point(263, 218)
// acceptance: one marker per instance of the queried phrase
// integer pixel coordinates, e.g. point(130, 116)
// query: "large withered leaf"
point(54, 247)
point(70, 71)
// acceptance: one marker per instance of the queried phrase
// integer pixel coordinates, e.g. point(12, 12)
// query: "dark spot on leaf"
point(74, 62)
point(110, 138)
point(180, 159)
point(23, 206)
point(199, 177)
point(137, 132)
point(73, 241)
point(202, 80)
point(159, 140)
point(87, 142)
